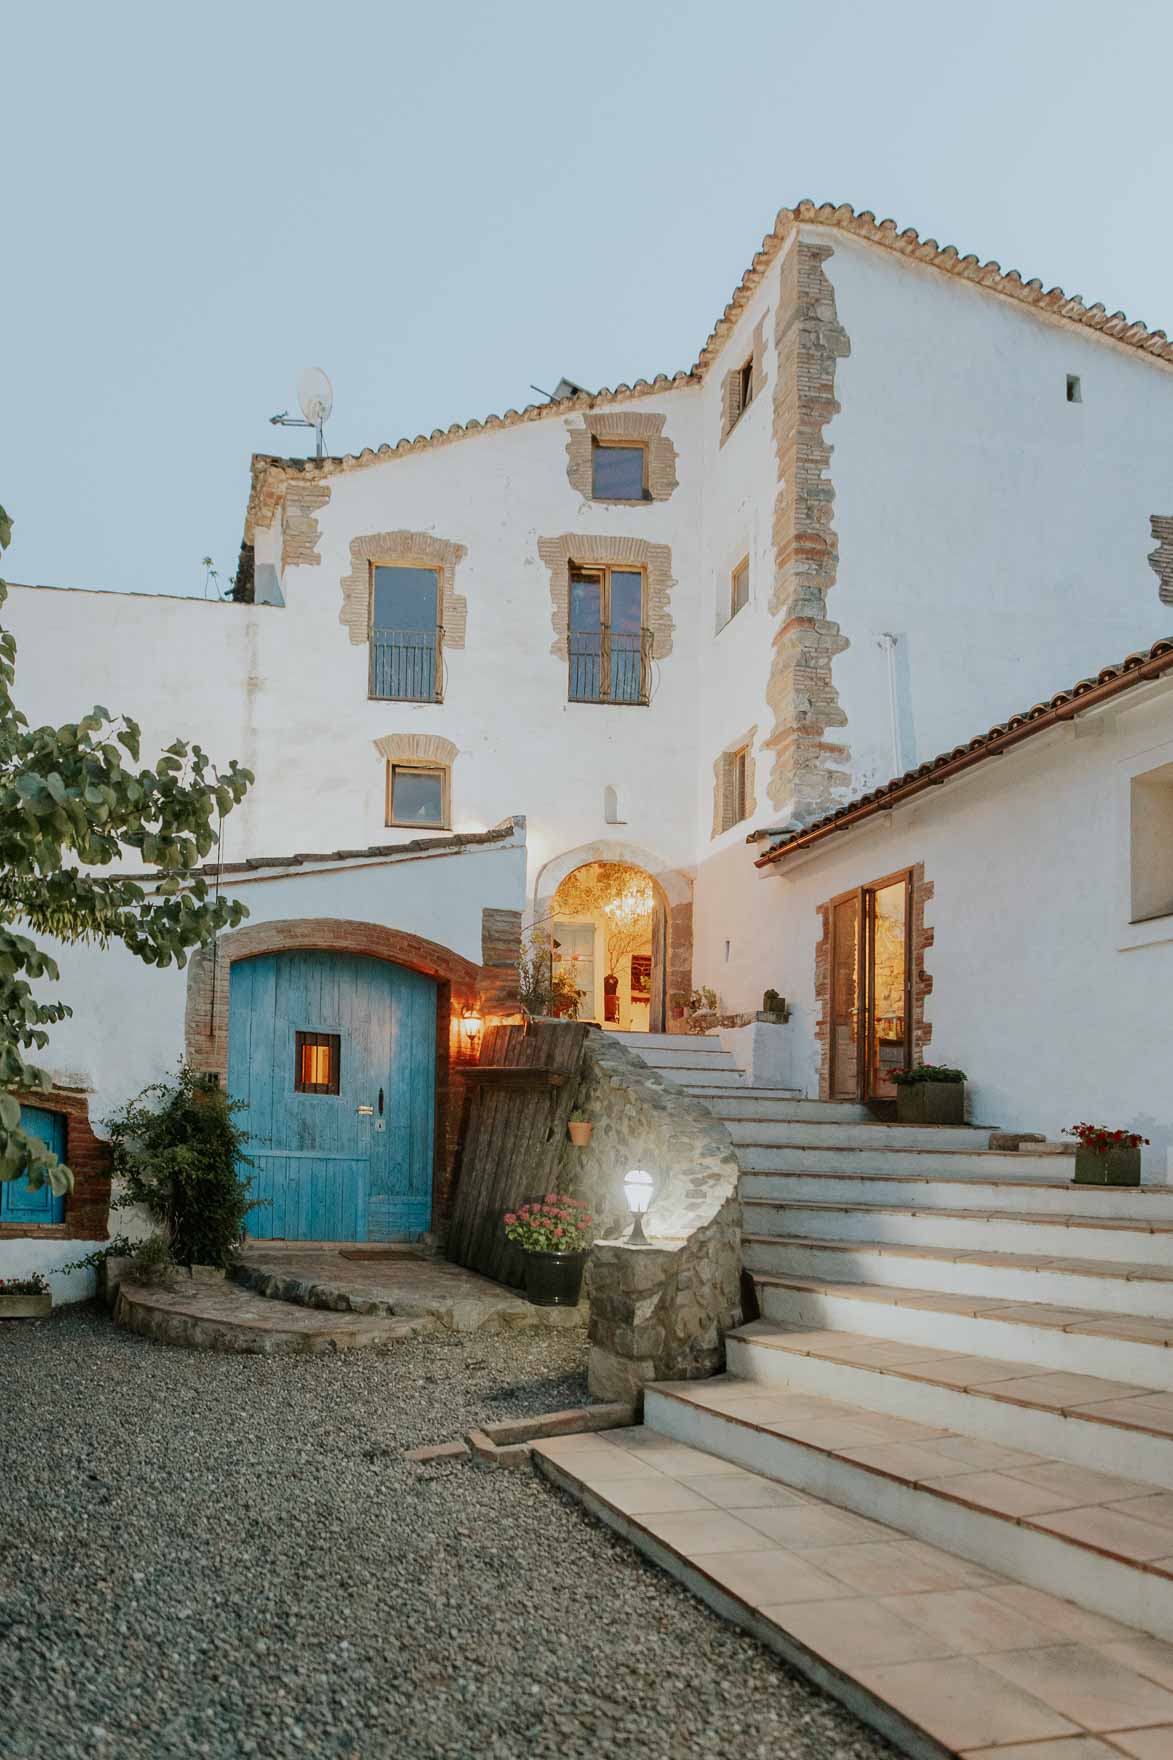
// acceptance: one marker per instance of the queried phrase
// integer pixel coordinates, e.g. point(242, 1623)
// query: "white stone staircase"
point(938, 1472)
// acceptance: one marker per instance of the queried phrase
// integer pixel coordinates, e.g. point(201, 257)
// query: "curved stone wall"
point(658, 1312)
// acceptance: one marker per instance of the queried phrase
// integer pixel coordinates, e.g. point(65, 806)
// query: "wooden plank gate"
point(523, 1090)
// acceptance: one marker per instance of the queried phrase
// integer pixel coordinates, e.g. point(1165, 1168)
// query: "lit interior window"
point(317, 1060)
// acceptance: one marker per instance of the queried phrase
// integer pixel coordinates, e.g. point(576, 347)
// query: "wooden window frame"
point(431, 566)
point(606, 570)
point(304, 1039)
point(744, 386)
point(417, 765)
point(627, 445)
point(865, 1001)
point(741, 568)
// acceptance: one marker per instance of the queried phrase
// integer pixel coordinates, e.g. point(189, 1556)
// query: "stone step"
point(715, 1093)
point(951, 1163)
point(1014, 1277)
point(1119, 1347)
point(701, 1054)
point(1148, 1203)
point(651, 1042)
point(817, 1133)
point(402, 1285)
point(1113, 1239)
point(773, 1106)
point(224, 1317)
point(940, 1655)
point(700, 1078)
point(1113, 1427)
point(1092, 1538)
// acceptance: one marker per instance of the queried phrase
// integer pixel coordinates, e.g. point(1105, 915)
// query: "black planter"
point(1119, 1167)
point(930, 1102)
point(554, 1280)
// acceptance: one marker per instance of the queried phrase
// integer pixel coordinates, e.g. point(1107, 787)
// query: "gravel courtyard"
point(205, 1555)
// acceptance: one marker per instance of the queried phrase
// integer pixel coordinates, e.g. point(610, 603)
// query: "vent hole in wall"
point(1074, 388)
point(614, 809)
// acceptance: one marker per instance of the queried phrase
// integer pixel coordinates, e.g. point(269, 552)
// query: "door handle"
point(365, 1111)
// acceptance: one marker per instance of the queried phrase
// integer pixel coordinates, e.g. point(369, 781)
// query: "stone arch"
point(673, 887)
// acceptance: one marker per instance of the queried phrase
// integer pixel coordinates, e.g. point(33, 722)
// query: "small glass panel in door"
point(845, 999)
point(586, 635)
point(888, 963)
point(627, 600)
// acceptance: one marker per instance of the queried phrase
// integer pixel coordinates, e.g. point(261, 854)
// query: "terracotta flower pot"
point(930, 1102)
point(554, 1280)
point(1119, 1167)
point(30, 1307)
point(580, 1133)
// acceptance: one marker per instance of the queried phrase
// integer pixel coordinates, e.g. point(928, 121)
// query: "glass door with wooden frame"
point(870, 989)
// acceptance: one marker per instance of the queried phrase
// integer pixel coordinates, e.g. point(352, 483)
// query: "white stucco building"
point(899, 496)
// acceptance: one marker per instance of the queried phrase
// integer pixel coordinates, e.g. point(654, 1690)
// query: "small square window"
point(1074, 388)
point(317, 1063)
point(416, 795)
point(1152, 844)
point(617, 472)
point(739, 587)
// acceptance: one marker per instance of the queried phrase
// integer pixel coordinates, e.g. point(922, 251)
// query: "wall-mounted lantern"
point(471, 1027)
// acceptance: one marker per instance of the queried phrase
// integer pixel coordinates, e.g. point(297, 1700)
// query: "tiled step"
point(1112, 1427)
point(1056, 1196)
point(1119, 1347)
point(772, 1106)
point(984, 1164)
point(942, 1656)
point(1093, 1538)
point(817, 1133)
point(224, 1317)
point(1143, 1290)
point(1116, 1239)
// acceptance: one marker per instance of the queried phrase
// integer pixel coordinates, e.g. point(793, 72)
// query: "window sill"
point(414, 825)
point(620, 500)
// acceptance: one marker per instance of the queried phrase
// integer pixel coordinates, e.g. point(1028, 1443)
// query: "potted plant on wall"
point(1106, 1157)
point(580, 1128)
point(930, 1093)
point(24, 1298)
point(554, 1236)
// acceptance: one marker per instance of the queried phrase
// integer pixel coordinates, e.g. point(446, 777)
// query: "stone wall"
point(658, 1312)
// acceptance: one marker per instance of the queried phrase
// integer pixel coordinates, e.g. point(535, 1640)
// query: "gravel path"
point(206, 1555)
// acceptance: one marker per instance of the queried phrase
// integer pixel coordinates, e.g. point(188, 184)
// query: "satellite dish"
point(315, 394)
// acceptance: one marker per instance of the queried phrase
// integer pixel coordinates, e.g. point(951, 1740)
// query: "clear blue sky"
point(442, 204)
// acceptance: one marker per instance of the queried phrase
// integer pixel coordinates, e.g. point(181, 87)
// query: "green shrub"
point(927, 1072)
point(177, 1150)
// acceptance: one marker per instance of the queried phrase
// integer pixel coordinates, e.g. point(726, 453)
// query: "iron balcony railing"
point(610, 668)
point(406, 664)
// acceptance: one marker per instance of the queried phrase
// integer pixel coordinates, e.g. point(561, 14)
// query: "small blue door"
point(334, 1056)
point(18, 1202)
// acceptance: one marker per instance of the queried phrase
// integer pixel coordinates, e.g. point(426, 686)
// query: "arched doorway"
point(608, 933)
point(634, 962)
point(333, 1057)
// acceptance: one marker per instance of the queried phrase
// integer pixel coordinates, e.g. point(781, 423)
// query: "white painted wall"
point(1043, 991)
point(127, 1026)
point(998, 531)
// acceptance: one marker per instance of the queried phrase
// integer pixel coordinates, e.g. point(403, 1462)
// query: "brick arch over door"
point(457, 983)
point(673, 885)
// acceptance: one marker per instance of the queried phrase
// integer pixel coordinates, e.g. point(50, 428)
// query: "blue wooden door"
point(334, 1056)
point(18, 1202)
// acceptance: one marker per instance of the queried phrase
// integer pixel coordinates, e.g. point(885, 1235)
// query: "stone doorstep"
point(507, 1444)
